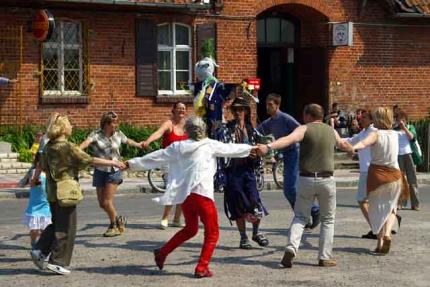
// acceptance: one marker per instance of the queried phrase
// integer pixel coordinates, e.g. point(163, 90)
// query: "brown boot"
point(327, 262)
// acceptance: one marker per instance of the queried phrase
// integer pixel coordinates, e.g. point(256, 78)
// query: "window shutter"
point(206, 40)
point(146, 58)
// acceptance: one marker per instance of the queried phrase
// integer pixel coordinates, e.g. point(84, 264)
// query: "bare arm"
point(85, 143)
point(368, 141)
point(405, 129)
point(296, 136)
point(131, 142)
point(107, 162)
point(158, 133)
point(343, 144)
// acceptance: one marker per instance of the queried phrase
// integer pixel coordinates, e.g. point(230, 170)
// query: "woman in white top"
point(384, 177)
point(406, 162)
point(192, 166)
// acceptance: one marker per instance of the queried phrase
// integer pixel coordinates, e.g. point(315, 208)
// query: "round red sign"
point(43, 25)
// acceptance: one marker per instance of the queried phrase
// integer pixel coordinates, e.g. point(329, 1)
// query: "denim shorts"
point(101, 178)
point(362, 187)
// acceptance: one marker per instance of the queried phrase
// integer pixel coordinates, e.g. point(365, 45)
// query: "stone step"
point(9, 155)
point(341, 156)
point(14, 171)
point(346, 164)
point(14, 165)
point(8, 160)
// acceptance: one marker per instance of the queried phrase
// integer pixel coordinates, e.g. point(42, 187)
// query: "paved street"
point(128, 260)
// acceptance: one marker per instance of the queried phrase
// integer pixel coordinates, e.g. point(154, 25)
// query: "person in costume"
point(242, 199)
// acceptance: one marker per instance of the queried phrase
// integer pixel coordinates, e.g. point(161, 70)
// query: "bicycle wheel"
point(157, 179)
point(278, 173)
point(259, 177)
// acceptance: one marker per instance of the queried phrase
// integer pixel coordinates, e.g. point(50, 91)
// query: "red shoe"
point(206, 273)
point(159, 259)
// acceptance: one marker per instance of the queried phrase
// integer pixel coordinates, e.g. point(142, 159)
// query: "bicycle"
point(157, 179)
point(276, 160)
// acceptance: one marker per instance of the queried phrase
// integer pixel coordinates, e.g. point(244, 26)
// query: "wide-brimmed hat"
point(240, 102)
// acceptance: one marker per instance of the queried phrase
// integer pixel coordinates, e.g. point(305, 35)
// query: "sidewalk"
point(9, 189)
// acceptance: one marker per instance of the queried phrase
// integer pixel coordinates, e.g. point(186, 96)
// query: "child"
point(35, 147)
point(37, 216)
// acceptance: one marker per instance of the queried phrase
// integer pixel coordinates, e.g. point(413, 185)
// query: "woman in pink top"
point(171, 130)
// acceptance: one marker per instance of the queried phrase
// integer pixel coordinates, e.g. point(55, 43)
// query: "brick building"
point(136, 56)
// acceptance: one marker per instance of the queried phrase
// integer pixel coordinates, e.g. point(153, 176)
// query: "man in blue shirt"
point(281, 124)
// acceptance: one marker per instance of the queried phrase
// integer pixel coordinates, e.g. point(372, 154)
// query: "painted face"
point(271, 107)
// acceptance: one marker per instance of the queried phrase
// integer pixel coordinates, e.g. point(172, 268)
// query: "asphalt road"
point(128, 261)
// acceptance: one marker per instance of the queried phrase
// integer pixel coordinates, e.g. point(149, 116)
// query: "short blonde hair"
point(383, 118)
point(58, 127)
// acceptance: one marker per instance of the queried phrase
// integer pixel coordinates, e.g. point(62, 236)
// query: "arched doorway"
point(292, 57)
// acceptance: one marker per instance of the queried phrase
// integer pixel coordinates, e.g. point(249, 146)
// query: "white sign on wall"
point(343, 34)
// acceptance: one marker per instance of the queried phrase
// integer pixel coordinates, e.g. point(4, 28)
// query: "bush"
point(22, 140)
point(25, 155)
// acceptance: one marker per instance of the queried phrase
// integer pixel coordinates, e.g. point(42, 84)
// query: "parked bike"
point(157, 179)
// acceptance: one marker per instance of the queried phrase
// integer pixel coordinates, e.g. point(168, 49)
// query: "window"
point(174, 59)
point(275, 30)
point(64, 71)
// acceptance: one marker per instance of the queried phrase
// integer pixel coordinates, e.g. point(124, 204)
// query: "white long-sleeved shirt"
point(363, 154)
point(191, 165)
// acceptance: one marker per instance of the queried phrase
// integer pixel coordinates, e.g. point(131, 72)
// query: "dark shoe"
point(204, 274)
point(260, 239)
point(245, 244)
point(159, 259)
point(316, 219)
point(121, 221)
point(416, 208)
point(287, 259)
point(327, 263)
point(369, 235)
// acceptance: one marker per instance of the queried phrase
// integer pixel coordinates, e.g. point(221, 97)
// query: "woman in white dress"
point(384, 177)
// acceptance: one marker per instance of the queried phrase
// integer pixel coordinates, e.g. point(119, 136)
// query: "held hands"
point(144, 144)
point(261, 149)
point(119, 164)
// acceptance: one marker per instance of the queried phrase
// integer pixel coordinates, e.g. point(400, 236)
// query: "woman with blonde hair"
point(61, 160)
point(106, 142)
point(384, 177)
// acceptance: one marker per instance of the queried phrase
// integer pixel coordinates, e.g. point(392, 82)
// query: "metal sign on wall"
point(43, 25)
point(343, 34)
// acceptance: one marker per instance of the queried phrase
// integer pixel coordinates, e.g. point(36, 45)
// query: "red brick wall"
point(388, 63)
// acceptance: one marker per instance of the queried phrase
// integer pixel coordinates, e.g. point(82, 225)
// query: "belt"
point(316, 174)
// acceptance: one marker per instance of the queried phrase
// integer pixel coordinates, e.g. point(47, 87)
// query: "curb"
point(8, 193)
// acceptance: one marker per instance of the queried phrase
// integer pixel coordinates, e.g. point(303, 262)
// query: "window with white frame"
point(174, 58)
point(62, 61)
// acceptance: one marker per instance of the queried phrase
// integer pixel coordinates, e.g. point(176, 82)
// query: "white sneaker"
point(164, 224)
point(58, 269)
point(39, 259)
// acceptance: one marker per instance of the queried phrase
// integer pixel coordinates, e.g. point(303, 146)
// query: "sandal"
point(386, 245)
point(245, 244)
point(260, 239)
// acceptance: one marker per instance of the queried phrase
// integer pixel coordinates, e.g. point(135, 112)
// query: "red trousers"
point(193, 207)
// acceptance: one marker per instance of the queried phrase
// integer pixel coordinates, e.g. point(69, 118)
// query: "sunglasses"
point(112, 115)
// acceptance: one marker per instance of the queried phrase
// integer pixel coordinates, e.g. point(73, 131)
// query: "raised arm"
point(342, 143)
point(158, 133)
point(368, 141)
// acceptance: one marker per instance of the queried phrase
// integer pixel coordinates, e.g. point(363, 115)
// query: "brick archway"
point(318, 5)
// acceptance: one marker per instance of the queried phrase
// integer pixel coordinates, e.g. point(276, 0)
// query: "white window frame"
point(172, 50)
point(60, 46)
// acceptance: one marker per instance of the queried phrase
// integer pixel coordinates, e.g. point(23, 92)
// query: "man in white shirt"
point(364, 162)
